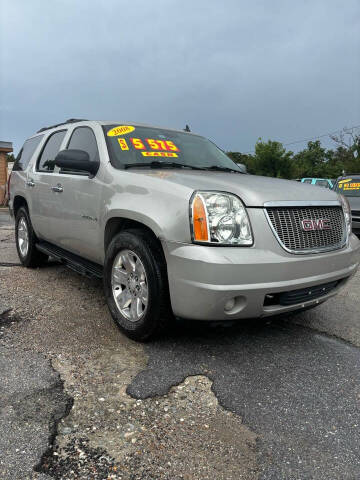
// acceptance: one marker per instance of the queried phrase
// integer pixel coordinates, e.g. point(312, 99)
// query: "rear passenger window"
point(83, 138)
point(307, 180)
point(27, 151)
point(46, 161)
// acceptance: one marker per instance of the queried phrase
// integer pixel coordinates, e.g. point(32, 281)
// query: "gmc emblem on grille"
point(320, 224)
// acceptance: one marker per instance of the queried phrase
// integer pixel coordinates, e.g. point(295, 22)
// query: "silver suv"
point(174, 227)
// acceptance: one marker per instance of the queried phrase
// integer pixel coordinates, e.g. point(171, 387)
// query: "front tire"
point(26, 241)
point(135, 284)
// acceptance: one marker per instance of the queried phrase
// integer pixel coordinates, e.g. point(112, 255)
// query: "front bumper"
point(202, 278)
point(356, 225)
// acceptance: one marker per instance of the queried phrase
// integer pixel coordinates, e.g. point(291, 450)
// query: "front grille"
point(287, 226)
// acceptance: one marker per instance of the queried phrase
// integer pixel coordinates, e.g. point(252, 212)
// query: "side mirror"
point(242, 167)
point(76, 160)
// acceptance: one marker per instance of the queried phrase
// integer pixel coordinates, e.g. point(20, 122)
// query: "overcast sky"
point(233, 70)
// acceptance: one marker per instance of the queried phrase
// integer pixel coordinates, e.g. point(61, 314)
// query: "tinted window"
point(349, 186)
point(322, 183)
point(307, 180)
point(25, 154)
point(83, 138)
point(47, 158)
point(129, 146)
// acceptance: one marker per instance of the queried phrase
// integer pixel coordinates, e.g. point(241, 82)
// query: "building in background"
point(5, 148)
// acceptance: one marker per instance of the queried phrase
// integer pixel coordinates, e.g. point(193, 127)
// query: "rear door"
point(21, 181)
point(41, 177)
point(76, 216)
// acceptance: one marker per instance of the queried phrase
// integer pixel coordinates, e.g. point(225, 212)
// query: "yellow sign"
point(120, 130)
point(352, 186)
point(348, 184)
point(341, 183)
point(123, 144)
point(159, 154)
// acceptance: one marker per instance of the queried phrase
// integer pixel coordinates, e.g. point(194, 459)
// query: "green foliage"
point(10, 158)
point(310, 162)
point(271, 158)
point(245, 159)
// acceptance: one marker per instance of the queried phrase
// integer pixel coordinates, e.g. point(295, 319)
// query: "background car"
point(319, 182)
point(349, 186)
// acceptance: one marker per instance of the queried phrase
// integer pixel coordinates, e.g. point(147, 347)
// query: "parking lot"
point(269, 399)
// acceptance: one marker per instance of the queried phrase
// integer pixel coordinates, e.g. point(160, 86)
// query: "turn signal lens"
point(201, 232)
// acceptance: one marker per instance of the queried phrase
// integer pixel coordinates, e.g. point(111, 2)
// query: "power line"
point(313, 138)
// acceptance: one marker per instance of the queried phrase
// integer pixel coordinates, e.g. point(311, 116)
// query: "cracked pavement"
point(275, 399)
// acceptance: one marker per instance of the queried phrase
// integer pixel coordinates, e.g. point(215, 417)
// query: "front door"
point(75, 220)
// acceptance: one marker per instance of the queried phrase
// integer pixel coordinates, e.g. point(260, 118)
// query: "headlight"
point(220, 218)
point(347, 213)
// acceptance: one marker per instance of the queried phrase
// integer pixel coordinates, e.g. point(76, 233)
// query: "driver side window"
point(83, 138)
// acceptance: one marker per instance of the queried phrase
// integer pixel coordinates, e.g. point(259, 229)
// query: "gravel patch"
point(181, 436)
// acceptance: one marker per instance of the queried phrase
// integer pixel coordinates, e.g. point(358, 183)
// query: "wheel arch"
point(18, 202)
point(118, 224)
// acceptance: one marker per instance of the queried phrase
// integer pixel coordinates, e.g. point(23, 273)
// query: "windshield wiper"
point(222, 169)
point(156, 164)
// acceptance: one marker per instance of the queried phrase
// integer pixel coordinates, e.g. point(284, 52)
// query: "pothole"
point(182, 435)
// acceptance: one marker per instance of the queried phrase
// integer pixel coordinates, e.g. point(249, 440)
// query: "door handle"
point(58, 188)
point(30, 183)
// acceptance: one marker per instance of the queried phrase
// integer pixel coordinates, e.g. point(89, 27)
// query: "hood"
point(253, 190)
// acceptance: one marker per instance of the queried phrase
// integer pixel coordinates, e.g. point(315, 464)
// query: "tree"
point(245, 159)
point(272, 160)
point(312, 161)
point(10, 158)
point(347, 154)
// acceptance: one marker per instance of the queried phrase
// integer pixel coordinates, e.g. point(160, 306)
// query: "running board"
point(76, 263)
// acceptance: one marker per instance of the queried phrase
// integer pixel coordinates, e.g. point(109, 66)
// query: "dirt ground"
point(132, 411)
point(182, 435)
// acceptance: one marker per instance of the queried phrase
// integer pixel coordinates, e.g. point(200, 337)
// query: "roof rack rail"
point(70, 120)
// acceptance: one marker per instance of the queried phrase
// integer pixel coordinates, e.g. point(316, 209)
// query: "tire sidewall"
point(147, 324)
point(23, 213)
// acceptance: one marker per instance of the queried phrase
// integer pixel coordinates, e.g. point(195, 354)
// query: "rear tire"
point(136, 286)
point(26, 240)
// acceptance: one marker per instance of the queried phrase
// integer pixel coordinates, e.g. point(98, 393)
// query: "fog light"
point(229, 305)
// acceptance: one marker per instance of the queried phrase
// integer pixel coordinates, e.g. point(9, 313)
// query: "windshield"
point(131, 145)
point(350, 187)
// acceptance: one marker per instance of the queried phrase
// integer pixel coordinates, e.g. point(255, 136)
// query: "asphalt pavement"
point(275, 399)
point(5, 219)
point(297, 389)
point(32, 400)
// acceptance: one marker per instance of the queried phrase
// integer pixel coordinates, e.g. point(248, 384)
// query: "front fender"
point(161, 206)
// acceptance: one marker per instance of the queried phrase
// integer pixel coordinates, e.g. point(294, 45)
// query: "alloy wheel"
point(129, 285)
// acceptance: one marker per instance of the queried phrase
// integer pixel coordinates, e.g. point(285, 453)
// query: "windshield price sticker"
point(120, 130)
point(348, 184)
point(137, 143)
point(158, 147)
point(159, 154)
point(123, 144)
point(166, 145)
point(162, 145)
point(351, 186)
